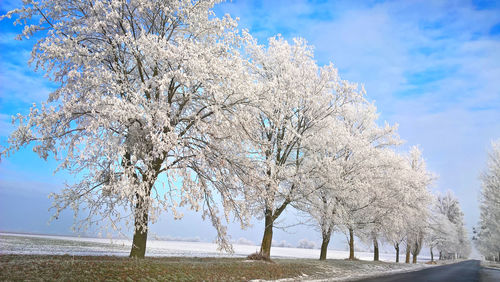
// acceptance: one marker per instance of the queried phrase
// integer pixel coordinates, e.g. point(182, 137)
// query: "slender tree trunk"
point(265, 247)
point(407, 259)
point(432, 256)
point(440, 255)
point(397, 251)
point(414, 258)
point(351, 244)
point(324, 244)
point(140, 230)
point(375, 249)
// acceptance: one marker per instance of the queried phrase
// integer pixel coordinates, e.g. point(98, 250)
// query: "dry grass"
point(259, 256)
point(113, 268)
point(109, 268)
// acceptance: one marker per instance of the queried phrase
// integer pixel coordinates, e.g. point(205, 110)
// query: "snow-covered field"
point(11, 243)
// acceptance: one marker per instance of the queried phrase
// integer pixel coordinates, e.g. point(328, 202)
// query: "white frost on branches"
point(148, 98)
point(488, 231)
point(163, 105)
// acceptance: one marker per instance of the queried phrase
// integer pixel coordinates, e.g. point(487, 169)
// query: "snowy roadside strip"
point(362, 270)
point(490, 264)
point(356, 276)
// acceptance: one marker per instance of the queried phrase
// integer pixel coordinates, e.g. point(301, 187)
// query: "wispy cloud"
point(6, 126)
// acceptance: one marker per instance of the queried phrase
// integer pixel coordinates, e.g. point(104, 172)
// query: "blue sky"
point(433, 67)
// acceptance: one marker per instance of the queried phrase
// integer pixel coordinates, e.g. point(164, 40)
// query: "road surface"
point(466, 271)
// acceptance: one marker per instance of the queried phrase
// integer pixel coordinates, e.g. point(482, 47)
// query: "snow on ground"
point(11, 243)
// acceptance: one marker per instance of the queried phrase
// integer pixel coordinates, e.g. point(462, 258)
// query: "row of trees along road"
point(162, 105)
point(487, 234)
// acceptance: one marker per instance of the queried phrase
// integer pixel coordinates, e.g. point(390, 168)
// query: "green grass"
point(110, 268)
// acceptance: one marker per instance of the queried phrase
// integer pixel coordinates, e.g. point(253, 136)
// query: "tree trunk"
point(351, 244)
point(140, 230)
point(375, 249)
point(265, 247)
point(324, 244)
point(407, 259)
point(440, 255)
point(414, 258)
point(397, 251)
point(432, 256)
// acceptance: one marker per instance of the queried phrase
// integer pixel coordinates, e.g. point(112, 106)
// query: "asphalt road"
point(469, 271)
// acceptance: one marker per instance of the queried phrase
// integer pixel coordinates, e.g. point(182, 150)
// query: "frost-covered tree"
point(418, 182)
point(385, 214)
point(295, 99)
point(395, 232)
point(441, 231)
point(488, 233)
point(457, 244)
point(348, 164)
point(324, 203)
point(366, 174)
point(146, 105)
point(394, 226)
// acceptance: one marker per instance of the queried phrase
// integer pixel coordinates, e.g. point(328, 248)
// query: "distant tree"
point(306, 244)
point(144, 111)
point(457, 244)
point(441, 230)
point(488, 231)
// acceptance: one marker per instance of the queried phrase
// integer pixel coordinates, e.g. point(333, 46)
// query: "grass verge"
point(110, 268)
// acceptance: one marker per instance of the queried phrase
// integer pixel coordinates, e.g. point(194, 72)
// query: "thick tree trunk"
point(414, 258)
point(375, 249)
point(397, 251)
point(324, 244)
point(432, 255)
point(140, 231)
point(265, 247)
point(351, 244)
point(407, 259)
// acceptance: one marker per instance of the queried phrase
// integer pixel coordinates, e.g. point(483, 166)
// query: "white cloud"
point(19, 84)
